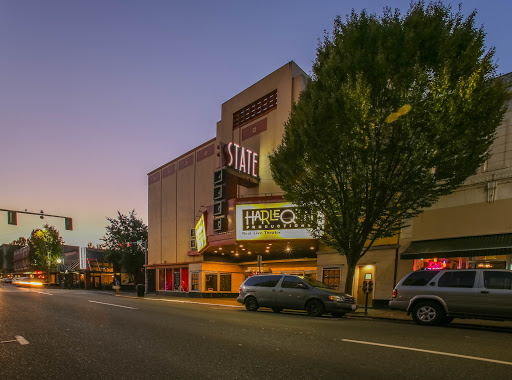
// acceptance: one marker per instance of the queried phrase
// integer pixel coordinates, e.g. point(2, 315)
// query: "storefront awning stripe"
point(462, 246)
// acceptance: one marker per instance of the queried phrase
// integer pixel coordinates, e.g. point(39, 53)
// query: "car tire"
point(276, 310)
point(315, 308)
point(428, 313)
point(251, 304)
point(338, 315)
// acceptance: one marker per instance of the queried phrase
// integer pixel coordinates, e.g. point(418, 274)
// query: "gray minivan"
point(437, 296)
point(280, 292)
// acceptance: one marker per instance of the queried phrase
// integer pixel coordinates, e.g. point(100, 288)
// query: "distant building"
point(7, 259)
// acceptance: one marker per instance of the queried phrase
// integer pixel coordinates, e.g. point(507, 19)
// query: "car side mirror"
point(432, 283)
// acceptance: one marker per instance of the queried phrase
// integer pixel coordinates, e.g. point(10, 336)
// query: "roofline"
point(183, 155)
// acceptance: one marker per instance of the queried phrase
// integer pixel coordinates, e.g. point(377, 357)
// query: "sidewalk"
point(386, 314)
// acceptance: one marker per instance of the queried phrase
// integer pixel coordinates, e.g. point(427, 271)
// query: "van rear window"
point(265, 281)
point(420, 278)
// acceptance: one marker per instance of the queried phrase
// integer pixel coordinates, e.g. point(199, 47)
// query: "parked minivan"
point(280, 292)
point(437, 296)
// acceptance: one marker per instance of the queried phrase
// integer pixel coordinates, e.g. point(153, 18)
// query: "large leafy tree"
point(45, 247)
point(124, 242)
point(401, 109)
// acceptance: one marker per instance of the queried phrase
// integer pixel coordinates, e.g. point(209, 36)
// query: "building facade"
point(217, 217)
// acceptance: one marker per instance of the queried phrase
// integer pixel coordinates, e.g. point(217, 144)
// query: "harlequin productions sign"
point(200, 234)
point(273, 221)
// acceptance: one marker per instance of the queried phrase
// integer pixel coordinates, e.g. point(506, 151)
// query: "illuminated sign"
point(242, 159)
point(200, 234)
point(435, 265)
point(273, 221)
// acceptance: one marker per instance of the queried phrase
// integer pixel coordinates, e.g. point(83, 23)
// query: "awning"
point(485, 245)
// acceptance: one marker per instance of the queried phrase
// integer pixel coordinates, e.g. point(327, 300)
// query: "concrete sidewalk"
point(386, 314)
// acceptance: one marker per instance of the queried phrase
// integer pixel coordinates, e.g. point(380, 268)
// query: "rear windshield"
point(420, 278)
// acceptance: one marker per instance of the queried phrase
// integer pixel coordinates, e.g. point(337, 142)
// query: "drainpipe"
point(396, 267)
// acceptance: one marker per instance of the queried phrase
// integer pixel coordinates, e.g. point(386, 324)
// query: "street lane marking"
point(50, 294)
point(8, 341)
point(197, 303)
point(428, 351)
point(111, 304)
point(21, 340)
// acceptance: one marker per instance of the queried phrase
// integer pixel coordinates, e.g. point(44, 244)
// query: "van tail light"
point(395, 293)
point(240, 290)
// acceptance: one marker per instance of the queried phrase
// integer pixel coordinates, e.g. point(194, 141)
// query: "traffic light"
point(365, 286)
point(12, 218)
point(69, 224)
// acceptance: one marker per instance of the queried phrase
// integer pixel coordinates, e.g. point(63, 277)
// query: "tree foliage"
point(21, 241)
point(45, 247)
point(401, 109)
point(123, 230)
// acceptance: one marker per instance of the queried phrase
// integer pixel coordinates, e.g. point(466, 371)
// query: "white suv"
point(438, 296)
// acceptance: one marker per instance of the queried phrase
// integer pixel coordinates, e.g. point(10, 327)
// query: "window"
point(420, 278)
point(291, 282)
point(464, 279)
point(256, 109)
point(225, 282)
point(195, 281)
point(331, 277)
point(210, 282)
point(265, 281)
point(161, 279)
point(498, 280)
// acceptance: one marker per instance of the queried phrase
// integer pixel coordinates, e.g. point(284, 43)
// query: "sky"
point(96, 94)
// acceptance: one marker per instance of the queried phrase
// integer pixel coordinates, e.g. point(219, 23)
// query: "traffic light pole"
point(13, 219)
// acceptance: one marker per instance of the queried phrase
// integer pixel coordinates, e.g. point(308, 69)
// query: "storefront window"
point(331, 278)
point(210, 282)
point(168, 279)
point(225, 282)
point(195, 282)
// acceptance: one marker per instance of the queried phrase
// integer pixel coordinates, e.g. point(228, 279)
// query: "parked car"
point(280, 292)
point(434, 297)
point(6, 280)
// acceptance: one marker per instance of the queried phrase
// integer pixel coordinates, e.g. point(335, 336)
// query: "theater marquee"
point(273, 221)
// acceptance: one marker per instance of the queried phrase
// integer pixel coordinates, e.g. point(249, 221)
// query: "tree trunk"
point(351, 271)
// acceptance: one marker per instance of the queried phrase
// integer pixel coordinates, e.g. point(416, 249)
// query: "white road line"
point(111, 304)
point(21, 340)
point(50, 294)
point(8, 341)
point(429, 351)
point(197, 303)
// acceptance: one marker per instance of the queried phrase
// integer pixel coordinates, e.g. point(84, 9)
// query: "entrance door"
point(365, 273)
point(151, 280)
point(177, 279)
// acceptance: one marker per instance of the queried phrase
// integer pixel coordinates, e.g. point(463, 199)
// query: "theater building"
point(217, 217)
point(215, 209)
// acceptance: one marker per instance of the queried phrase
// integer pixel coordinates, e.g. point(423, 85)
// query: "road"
point(62, 334)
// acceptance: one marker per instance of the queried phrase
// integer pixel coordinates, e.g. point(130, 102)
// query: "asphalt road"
point(62, 334)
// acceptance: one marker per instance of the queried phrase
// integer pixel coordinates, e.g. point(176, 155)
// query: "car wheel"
point(315, 308)
point(251, 304)
point(338, 315)
point(428, 313)
point(276, 310)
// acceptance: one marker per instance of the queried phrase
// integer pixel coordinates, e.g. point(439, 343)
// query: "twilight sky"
point(96, 94)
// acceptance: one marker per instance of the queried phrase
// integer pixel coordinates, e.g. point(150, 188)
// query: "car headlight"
point(337, 298)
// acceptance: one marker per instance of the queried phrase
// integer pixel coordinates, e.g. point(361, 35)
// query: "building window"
point(195, 281)
point(225, 282)
point(331, 278)
point(256, 109)
point(210, 282)
point(161, 279)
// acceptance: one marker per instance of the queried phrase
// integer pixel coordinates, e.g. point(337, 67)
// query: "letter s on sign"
point(230, 154)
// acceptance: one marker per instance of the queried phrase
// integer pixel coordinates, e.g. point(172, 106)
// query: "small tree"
point(399, 112)
point(45, 247)
point(121, 245)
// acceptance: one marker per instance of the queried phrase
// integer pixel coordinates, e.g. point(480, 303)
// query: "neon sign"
point(436, 265)
point(242, 159)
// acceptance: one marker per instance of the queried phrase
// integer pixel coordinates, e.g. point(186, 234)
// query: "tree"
point(399, 112)
point(21, 241)
point(45, 247)
point(121, 244)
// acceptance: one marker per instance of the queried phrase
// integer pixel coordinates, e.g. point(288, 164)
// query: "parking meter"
point(370, 286)
point(365, 286)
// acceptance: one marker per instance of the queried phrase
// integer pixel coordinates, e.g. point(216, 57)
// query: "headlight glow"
point(336, 298)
